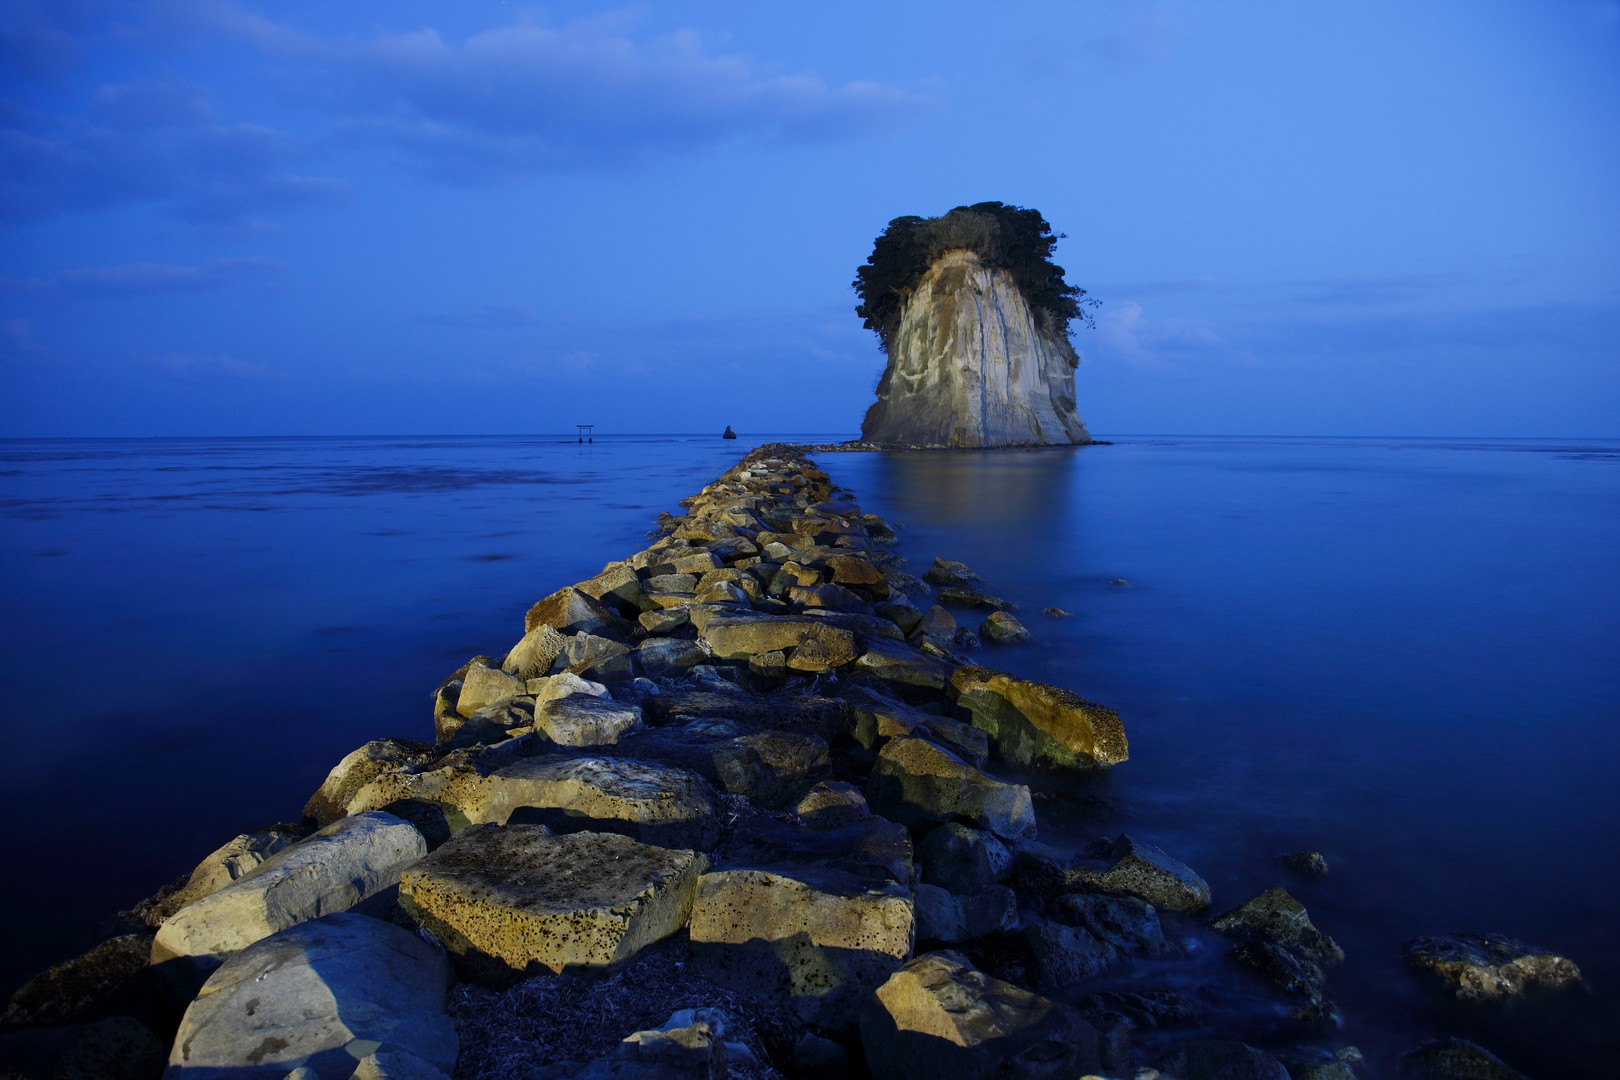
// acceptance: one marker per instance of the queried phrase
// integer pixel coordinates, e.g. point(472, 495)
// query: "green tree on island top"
point(1011, 238)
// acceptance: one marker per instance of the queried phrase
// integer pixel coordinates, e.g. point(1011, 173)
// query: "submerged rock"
point(1276, 916)
point(1002, 627)
point(1486, 967)
point(1454, 1059)
point(1220, 1059)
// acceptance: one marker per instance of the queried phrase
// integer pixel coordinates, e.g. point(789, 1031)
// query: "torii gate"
point(585, 432)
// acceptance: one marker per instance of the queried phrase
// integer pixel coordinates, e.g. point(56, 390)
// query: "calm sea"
point(1404, 653)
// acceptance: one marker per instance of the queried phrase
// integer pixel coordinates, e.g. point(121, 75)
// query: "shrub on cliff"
point(1013, 238)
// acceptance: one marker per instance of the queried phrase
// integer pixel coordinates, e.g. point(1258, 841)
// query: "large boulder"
point(337, 868)
point(1220, 1059)
point(818, 939)
point(236, 858)
point(483, 685)
point(1454, 1059)
point(771, 767)
point(513, 900)
point(657, 804)
point(1485, 967)
point(1036, 724)
point(871, 847)
point(915, 781)
point(533, 656)
point(938, 1016)
point(339, 996)
point(357, 769)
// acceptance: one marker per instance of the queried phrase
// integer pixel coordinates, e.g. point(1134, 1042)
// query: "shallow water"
point(1398, 652)
point(1401, 653)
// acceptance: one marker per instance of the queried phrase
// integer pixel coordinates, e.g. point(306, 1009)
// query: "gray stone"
point(483, 685)
point(236, 858)
point(657, 804)
point(660, 656)
point(949, 919)
point(510, 901)
point(772, 767)
point(937, 1016)
point(1485, 967)
point(665, 620)
point(1037, 724)
point(355, 771)
point(1066, 955)
point(1126, 922)
point(949, 572)
point(819, 940)
point(1276, 916)
point(596, 657)
point(1220, 1059)
point(956, 857)
point(1454, 1059)
point(1003, 628)
point(319, 997)
point(1139, 869)
point(533, 656)
point(1307, 864)
point(587, 720)
point(915, 781)
point(554, 687)
point(333, 870)
point(832, 804)
point(904, 666)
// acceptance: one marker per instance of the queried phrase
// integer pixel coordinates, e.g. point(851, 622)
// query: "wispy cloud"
point(532, 97)
point(146, 278)
point(156, 141)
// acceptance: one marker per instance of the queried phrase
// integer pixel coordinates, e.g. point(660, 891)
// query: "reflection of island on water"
point(1008, 488)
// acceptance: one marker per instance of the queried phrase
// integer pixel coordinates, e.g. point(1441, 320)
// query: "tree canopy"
point(1013, 238)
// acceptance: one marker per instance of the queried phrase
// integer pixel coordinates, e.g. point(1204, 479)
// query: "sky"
point(1324, 218)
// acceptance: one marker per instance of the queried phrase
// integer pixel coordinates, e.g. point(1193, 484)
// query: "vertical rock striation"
point(971, 364)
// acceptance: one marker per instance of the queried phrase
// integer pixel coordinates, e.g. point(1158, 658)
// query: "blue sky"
point(356, 218)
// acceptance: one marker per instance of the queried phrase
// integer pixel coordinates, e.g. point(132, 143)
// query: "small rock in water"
point(1118, 581)
point(1454, 1059)
point(1056, 612)
point(1002, 627)
point(1485, 967)
point(949, 572)
point(1305, 863)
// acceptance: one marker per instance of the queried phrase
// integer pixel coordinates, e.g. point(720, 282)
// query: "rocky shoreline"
point(736, 806)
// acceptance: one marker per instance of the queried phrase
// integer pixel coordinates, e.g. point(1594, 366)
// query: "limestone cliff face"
point(972, 365)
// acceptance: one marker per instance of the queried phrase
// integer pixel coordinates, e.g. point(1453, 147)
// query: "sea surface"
point(1403, 653)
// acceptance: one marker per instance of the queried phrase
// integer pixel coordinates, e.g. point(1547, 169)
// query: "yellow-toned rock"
point(1036, 724)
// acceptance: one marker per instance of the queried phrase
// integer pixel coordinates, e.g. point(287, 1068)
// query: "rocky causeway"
point(746, 803)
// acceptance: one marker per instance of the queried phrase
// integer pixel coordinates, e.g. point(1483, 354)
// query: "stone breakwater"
point(736, 806)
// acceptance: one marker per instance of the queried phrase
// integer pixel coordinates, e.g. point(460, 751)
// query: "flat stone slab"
point(939, 1016)
point(333, 870)
point(1485, 967)
point(325, 996)
point(819, 939)
point(586, 719)
point(915, 781)
point(742, 634)
point(657, 804)
point(509, 901)
point(1036, 724)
